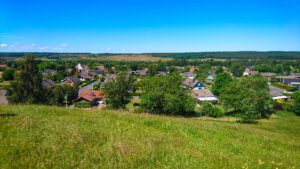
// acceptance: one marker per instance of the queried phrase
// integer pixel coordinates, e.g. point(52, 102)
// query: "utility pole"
point(66, 97)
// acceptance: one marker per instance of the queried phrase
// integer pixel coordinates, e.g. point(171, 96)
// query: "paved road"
point(89, 86)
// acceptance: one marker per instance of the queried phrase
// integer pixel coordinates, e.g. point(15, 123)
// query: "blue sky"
point(136, 26)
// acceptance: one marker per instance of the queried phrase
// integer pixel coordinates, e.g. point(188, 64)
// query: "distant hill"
point(278, 55)
point(51, 137)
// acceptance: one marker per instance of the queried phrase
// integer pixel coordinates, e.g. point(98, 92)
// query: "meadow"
point(34, 136)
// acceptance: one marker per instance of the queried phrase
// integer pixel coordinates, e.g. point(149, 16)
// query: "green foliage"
point(283, 86)
point(208, 109)
point(82, 104)
point(164, 95)
point(220, 83)
point(248, 96)
point(296, 97)
point(8, 74)
point(118, 91)
point(58, 94)
point(27, 86)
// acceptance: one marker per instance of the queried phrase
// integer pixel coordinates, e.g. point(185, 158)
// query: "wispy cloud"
point(3, 45)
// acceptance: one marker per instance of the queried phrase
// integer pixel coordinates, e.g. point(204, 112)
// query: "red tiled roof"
point(91, 95)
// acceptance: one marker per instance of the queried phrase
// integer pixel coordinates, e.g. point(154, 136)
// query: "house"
point(3, 66)
point(87, 75)
point(71, 80)
point(110, 77)
point(49, 72)
point(210, 79)
point(249, 72)
point(189, 74)
point(48, 84)
point(161, 73)
point(204, 95)
point(192, 83)
point(95, 97)
point(140, 72)
point(291, 80)
point(82, 68)
point(267, 74)
point(100, 67)
point(276, 93)
point(295, 75)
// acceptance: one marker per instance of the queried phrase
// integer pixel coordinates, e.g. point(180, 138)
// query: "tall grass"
point(51, 137)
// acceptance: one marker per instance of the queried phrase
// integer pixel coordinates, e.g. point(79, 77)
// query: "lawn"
point(4, 84)
point(51, 137)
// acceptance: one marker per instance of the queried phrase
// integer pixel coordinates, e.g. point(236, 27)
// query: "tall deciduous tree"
point(296, 97)
point(221, 81)
point(118, 91)
point(249, 96)
point(27, 86)
point(164, 95)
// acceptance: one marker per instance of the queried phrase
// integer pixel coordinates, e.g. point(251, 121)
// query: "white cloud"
point(64, 45)
point(3, 45)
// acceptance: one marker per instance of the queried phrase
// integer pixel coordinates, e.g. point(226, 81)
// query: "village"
point(90, 81)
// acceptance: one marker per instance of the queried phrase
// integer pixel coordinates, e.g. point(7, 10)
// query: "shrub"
point(208, 109)
point(83, 104)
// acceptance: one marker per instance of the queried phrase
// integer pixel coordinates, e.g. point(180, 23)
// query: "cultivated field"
point(130, 58)
point(51, 137)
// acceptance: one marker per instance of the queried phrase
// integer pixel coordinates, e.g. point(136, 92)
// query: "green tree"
point(164, 95)
point(8, 74)
point(27, 86)
point(248, 96)
point(118, 91)
point(220, 83)
point(208, 109)
point(296, 97)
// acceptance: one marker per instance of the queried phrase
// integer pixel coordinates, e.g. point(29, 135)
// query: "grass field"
point(51, 137)
point(129, 58)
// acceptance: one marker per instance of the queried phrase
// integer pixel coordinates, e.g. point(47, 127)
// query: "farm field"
point(51, 137)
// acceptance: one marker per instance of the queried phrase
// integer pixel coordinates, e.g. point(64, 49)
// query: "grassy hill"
point(51, 137)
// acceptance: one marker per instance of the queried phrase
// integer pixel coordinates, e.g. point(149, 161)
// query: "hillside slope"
point(51, 137)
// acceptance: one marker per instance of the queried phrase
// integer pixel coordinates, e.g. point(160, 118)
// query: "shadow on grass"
point(8, 114)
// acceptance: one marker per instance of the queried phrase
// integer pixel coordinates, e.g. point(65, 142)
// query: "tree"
point(296, 97)
point(27, 86)
point(208, 109)
point(248, 96)
point(60, 92)
point(118, 91)
point(164, 95)
point(221, 81)
point(8, 74)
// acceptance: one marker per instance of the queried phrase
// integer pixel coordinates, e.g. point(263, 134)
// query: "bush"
point(83, 104)
point(208, 109)
point(283, 86)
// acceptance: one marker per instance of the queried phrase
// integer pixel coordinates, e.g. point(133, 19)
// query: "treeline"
point(275, 55)
point(231, 55)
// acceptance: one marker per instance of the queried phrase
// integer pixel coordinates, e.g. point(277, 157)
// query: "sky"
point(145, 26)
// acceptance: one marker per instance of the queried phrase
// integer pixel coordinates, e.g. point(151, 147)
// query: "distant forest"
point(232, 55)
point(277, 55)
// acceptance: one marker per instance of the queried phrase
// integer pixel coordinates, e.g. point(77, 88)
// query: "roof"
point(48, 83)
point(162, 73)
point(189, 74)
point(90, 95)
point(198, 93)
point(210, 77)
point(73, 79)
point(275, 91)
point(251, 72)
point(295, 74)
point(142, 72)
point(189, 82)
point(267, 74)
